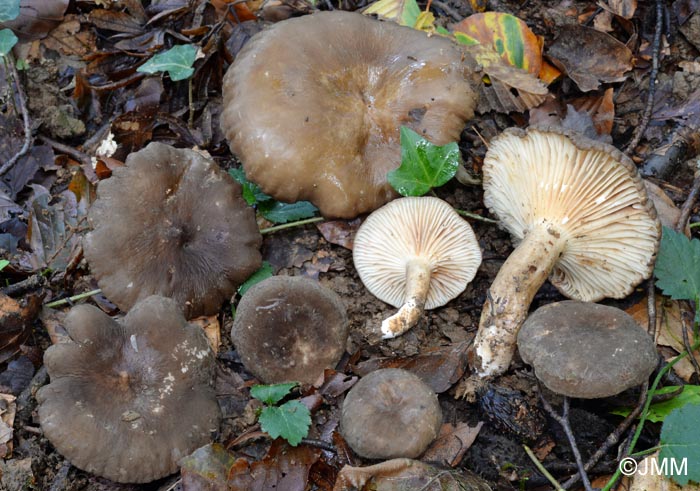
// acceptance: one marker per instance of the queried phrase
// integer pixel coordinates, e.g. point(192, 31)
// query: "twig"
point(269, 230)
point(82, 157)
point(541, 468)
point(448, 10)
point(475, 216)
point(313, 442)
point(646, 116)
point(10, 62)
point(563, 421)
point(80, 296)
point(28, 284)
point(690, 200)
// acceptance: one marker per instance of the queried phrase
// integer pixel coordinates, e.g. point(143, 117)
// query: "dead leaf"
point(452, 443)
point(665, 207)
point(440, 367)
point(211, 328)
point(405, 475)
point(656, 481)
point(340, 232)
point(17, 376)
point(37, 18)
point(590, 57)
point(207, 468)
point(15, 471)
point(16, 318)
point(623, 8)
point(114, 20)
point(601, 109)
point(69, 39)
point(8, 410)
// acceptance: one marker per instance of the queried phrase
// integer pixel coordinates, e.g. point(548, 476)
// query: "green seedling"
point(290, 420)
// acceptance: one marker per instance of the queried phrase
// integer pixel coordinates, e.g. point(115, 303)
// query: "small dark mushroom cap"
point(289, 329)
point(342, 85)
point(586, 350)
point(171, 223)
point(390, 413)
point(127, 400)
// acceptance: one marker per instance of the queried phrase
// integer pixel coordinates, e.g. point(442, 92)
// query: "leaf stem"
point(73, 298)
point(475, 216)
point(541, 468)
point(284, 226)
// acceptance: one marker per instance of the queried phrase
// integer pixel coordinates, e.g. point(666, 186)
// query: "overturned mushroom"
point(390, 413)
point(127, 400)
point(415, 253)
point(580, 215)
point(290, 329)
point(171, 223)
point(586, 350)
point(340, 103)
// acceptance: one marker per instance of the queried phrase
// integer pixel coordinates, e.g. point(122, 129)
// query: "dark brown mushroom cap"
point(341, 85)
point(127, 400)
point(390, 413)
point(586, 350)
point(171, 223)
point(289, 329)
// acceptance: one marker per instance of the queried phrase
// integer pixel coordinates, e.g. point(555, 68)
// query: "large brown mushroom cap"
point(289, 329)
point(586, 350)
point(416, 251)
point(127, 400)
point(390, 413)
point(171, 223)
point(341, 85)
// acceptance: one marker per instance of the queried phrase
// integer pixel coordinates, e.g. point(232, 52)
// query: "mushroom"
point(390, 413)
point(580, 214)
point(171, 223)
point(127, 400)
point(339, 105)
point(586, 350)
point(289, 329)
point(416, 254)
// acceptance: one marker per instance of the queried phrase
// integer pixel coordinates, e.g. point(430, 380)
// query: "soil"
point(510, 408)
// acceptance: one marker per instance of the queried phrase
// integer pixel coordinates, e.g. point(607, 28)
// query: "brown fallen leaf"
point(340, 232)
point(8, 410)
point(590, 57)
point(622, 8)
point(440, 367)
point(69, 39)
point(452, 443)
point(646, 480)
point(16, 318)
point(114, 20)
point(37, 18)
point(665, 207)
point(211, 328)
point(601, 108)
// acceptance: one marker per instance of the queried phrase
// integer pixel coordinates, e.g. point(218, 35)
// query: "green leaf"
point(3, 264)
point(659, 411)
point(252, 194)
point(423, 165)
point(263, 273)
point(177, 61)
point(678, 266)
point(290, 421)
point(403, 12)
point(680, 439)
point(7, 41)
point(272, 394)
point(9, 9)
point(277, 212)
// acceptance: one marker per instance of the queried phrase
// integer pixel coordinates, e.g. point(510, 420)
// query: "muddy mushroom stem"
point(580, 215)
point(415, 254)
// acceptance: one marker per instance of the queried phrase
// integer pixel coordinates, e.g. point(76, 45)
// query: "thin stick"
point(690, 200)
point(646, 117)
point(63, 301)
point(541, 468)
point(269, 230)
point(448, 10)
point(475, 216)
point(563, 421)
point(10, 62)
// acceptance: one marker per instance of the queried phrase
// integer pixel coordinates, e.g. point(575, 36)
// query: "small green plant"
point(290, 420)
point(9, 10)
point(423, 165)
point(3, 264)
point(177, 61)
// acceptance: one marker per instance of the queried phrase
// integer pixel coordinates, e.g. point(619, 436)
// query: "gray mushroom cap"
point(127, 400)
point(390, 413)
point(290, 328)
point(586, 350)
point(172, 223)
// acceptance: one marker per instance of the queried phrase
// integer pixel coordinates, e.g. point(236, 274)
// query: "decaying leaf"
point(590, 57)
point(16, 318)
point(68, 38)
point(211, 328)
point(452, 443)
point(623, 8)
point(665, 207)
point(8, 410)
point(403, 12)
point(340, 232)
point(37, 18)
point(646, 480)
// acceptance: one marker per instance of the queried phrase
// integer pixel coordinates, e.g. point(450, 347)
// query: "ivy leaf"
point(7, 41)
point(272, 394)
point(423, 165)
point(677, 267)
point(680, 439)
point(252, 194)
point(9, 9)
point(660, 410)
point(290, 421)
point(3, 264)
point(177, 61)
point(277, 212)
point(263, 273)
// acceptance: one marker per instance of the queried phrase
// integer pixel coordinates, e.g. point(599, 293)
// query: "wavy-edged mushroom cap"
point(415, 253)
point(580, 214)
point(171, 223)
point(289, 328)
point(390, 413)
point(342, 84)
point(586, 350)
point(127, 400)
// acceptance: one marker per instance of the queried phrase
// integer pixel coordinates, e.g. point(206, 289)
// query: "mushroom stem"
point(509, 298)
point(417, 286)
